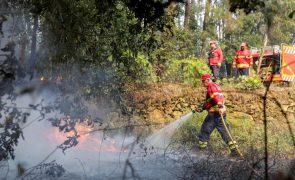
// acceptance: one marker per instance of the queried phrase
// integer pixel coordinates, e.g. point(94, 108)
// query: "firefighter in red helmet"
point(243, 60)
point(214, 104)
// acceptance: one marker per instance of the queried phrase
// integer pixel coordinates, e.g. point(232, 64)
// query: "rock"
point(113, 116)
point(178, 106)
point(147, 102)
point(177, 114)
point(269, 118)
point(290, 116)
point(168, 110)
point(140, 106)
point(136, 118)
point(181, 100)
point(171, 115)
point(186, 104)
point(151, 108)
point(156, 116)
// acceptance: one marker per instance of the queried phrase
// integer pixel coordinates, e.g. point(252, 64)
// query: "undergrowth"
point(243, 82)
point(248, 133)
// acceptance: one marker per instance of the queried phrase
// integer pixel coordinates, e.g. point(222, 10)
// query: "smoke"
point(41, 140)
point(96, 155)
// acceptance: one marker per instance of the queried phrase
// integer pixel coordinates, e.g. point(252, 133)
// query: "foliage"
point(247, 5)
point(15, 117)
point(174, 44)
point(243, 82)
point(9, 139)
point(188, 70)
point(50, 170)
point(99, 33)
point(250, 82)
point(140, 70)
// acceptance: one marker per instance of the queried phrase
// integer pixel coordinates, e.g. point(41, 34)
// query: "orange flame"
point(91, 142)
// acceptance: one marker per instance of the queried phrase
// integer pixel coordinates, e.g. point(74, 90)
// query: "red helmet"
point(205, 76)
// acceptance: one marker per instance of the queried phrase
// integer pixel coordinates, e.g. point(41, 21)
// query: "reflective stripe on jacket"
point(214, 98)
point(243, 59)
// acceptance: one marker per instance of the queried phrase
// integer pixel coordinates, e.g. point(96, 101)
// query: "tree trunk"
point(23, 43)
point(262, 53)
point(193, 24)
point(206, 15)
point(23, 47)
point(187, 14)
point(205, 26)
point(33, 46)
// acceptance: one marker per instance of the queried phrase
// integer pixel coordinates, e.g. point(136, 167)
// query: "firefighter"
point(214, 104)
point(243, 60)
point(215, 58)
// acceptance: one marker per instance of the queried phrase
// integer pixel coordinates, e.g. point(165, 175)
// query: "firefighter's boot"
point(202, 145)
point(233, 149)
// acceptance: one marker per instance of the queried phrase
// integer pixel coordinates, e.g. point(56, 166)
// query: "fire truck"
point(278, 63)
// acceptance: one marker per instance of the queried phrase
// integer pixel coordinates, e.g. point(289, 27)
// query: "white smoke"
point(88, 157)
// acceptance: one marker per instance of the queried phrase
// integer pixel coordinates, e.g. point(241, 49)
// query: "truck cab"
point(278, 62)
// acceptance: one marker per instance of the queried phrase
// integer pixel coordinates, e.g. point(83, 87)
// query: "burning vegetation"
point(86, 85)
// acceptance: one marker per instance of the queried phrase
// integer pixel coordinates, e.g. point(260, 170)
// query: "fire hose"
point(230, 136)
point(232, 139)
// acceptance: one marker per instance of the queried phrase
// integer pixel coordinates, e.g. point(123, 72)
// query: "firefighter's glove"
point(197, 110)
point(222, 109)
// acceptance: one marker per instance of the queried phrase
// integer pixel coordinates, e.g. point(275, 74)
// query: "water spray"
point(162, 138)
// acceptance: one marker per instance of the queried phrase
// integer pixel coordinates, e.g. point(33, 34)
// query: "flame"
point(42, 78)
point(91, 142)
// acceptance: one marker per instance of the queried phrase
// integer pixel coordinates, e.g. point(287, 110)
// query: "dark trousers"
point(243, 72)
point(213, 120)
point(228, 68)
point(215, 71)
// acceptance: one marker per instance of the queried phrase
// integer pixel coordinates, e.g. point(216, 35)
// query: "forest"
point(104, 89)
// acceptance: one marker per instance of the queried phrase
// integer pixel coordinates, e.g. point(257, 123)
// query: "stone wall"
point(166, 102)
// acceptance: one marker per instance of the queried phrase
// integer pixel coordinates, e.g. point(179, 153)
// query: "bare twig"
point(85, 176)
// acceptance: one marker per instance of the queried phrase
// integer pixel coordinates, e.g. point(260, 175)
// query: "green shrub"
point(243, 82)
point(187, 71)
point(136, 68)
point(229, 82)
point(292, 84)
point(249, 82)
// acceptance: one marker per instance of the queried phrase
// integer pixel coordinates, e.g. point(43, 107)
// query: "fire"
point(91, 142)
point(42, 78)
